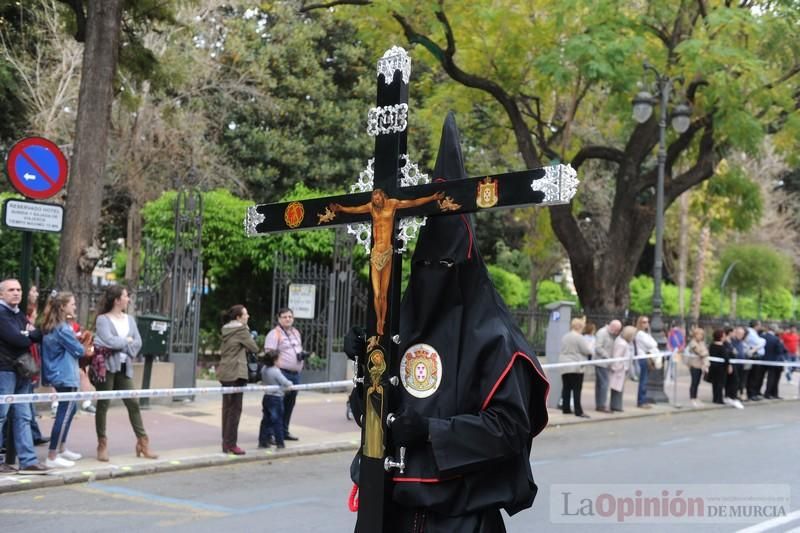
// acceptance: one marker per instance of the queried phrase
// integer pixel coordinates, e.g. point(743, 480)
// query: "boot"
point(102, 449)
point(142, 448)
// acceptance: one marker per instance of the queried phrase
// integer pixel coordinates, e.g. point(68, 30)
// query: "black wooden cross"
point(381, 206)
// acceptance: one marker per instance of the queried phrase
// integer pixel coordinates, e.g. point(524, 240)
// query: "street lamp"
point(643, 105)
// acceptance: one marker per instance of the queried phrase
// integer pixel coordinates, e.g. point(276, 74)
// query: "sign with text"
point(302, 299)
point(33, 216)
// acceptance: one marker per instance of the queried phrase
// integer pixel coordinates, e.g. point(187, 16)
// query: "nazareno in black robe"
point(491, 401)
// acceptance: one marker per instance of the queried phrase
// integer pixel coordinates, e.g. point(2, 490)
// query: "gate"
point(340, 301)
point(187, 286)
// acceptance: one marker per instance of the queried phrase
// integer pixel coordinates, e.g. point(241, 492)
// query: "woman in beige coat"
point(232, 372)
point(574, 349)
point(619, 369)
point(696, 354)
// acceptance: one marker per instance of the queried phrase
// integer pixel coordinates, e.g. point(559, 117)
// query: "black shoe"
point(43, 440)
point(567, 412)
point(767, 397)
point(289, 436)
point(280, 446)
point(583, 415)
point(777, 398)
point(262, 445)
point(756, 398)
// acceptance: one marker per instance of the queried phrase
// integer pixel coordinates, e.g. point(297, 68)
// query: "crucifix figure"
point(382, 209)
point(381, 197)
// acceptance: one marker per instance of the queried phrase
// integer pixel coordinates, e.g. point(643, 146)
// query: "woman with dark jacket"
point(718, 371)
point(232, 372)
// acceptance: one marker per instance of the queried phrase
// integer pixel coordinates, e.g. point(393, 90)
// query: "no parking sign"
point(36, 168)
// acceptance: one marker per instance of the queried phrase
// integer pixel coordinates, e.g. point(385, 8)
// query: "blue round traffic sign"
point(36, 168)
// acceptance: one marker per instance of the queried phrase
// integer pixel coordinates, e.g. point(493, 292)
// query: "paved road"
point(757, 445)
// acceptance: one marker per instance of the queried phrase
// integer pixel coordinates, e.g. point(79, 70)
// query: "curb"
point(25, 483)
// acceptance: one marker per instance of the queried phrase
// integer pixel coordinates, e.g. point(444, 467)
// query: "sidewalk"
point(187, 434)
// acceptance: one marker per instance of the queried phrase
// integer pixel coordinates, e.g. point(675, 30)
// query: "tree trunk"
point(734, 295)
point(700, 272)
point(683, 252)
point(78, 253)
point(133, 245)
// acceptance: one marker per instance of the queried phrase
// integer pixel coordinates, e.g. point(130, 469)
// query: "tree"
point(757, 269)
point(79, 253)
point(558, 81)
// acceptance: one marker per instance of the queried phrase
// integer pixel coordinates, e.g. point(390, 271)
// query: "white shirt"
point(123, 328)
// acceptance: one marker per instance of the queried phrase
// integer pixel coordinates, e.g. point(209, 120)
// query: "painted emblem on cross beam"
point(487, 193)
point(294, 214)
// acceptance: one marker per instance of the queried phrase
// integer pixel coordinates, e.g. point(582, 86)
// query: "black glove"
point(409, 428)
point(355, 343)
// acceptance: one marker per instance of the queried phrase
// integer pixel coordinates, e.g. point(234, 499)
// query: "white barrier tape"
point(162, 393)
point(595, 362)
point(343, 384)
point(784, 364)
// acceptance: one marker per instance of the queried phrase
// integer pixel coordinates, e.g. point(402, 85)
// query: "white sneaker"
point(58, 462)
point(70, 455)
point(695, 403)
point(726, 401)
point(737, 404)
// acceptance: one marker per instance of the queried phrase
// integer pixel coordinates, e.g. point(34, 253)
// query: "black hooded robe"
point(491, 398)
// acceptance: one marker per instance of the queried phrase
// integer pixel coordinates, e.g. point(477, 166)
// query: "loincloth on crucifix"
point(379, 259)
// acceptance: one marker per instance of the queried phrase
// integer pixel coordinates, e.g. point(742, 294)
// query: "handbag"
point(253, 367)
point(26, 366)
point(97, 368)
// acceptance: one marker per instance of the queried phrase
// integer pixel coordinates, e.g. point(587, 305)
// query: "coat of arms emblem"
point(421, 370)
point(487, 193)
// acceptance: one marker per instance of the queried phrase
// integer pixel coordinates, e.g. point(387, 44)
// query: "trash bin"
point(154, 330)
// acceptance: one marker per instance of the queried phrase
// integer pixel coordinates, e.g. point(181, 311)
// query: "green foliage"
point(225, 245)
point(756, 269)
point(550, 291)
point(309, 84)
point(512, 289)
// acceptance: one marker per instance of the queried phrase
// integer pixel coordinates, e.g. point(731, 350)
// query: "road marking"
point(675, 441)
point(161, 500)
point(773, 523)
point(86, 512)
point(726, 433)
point(770, 426)
point(605, 452)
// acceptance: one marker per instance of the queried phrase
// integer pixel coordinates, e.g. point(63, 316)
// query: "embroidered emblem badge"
point(487, 193)
point(421, 370)
point(294, 214)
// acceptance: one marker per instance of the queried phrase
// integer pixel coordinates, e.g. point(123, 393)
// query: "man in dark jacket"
point(473, 394)
point(16, 336)
point(773, 351)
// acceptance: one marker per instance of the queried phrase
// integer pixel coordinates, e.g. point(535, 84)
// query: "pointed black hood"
point(451, 309)
point(447, 238)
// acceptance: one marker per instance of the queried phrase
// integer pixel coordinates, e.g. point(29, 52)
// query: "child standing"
point(272, 403)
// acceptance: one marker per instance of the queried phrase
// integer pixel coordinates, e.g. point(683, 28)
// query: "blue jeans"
point(64, 414)
point(644, 369)
point(289, 398)
point(36, 433)
point(10, 383)
point(271, 420)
